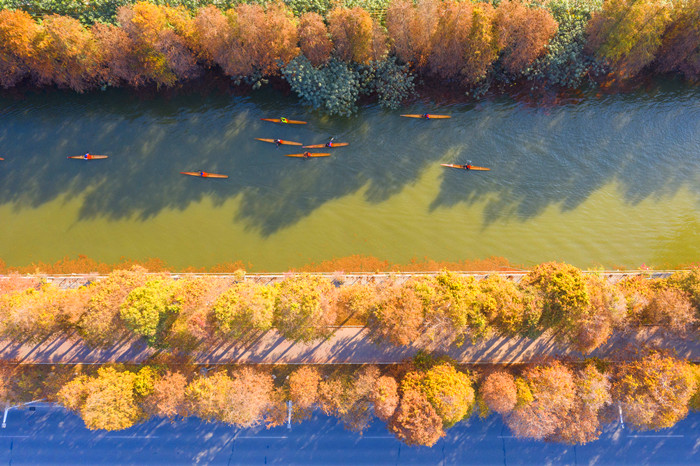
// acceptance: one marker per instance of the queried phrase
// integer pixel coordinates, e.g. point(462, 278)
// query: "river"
point(607, 180)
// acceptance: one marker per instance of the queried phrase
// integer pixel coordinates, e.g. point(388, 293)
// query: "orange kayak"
point(1, 158)
point(308, 155)
point(333, 144)
point(284, 121)
point(427, 116)
point(88, 157)
point(204, 174)
point(279, 141)
point(465, 167)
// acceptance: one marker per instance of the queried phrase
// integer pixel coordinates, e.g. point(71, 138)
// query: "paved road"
point(52, 436)
point(347, 345)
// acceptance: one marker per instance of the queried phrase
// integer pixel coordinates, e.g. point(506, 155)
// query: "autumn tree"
point(355, 35)
point(564, 291)
point(448, 390)
point(106, 401)
point(499, 392)
point(523, 33)
point(411, 27)
point(149, 310)
point(654, 391)
point(627, 33)
point(397, 317)
point(247, 39)
point(314, 38)
point(244, 307)
point(163, 40)
point(66, 54)
point(510, 309)
point(465, 44)
point(670, 308)
point(680, 44)
point(303, 387)
point(304, 307)
point(581, 423)
point(688, 281)
point(450, 307)
point(356, 302)
point(101, 325)
point(348, 396)
point(606, 310)
point(385, 397)
point(167, 398)
point(18, 33)
point(240, 399)
point(546, 394)
point(415, 421)
point(195, 322)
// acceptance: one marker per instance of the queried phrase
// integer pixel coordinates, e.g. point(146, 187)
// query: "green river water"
point(609, 180)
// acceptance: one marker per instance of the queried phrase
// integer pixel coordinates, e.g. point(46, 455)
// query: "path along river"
point(606, 180)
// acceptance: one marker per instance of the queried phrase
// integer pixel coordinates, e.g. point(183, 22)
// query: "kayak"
point(204, 174)
point(1, 158)
point(289, 122)
point(282, 142)
point(429, 117)
point(89, 157)
point(321, 146)
point(464, 167)
point(308, 156)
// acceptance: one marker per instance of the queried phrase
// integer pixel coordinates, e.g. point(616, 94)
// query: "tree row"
point(331, 60)
point(184, 314)
point(419, 399)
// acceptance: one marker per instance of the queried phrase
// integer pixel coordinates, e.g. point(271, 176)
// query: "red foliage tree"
point(411, 28)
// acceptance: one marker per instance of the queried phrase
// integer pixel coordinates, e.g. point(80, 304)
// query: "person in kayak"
point(278, 142)
point(468, 165)
point(201, 174)
point(330, 143)
point(283, 120)
point(307, 155)
point(425, 115)
point(87, 156)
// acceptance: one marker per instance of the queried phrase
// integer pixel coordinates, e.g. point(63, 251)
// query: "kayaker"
point(201, 174)
point(278, 142)
point(330, 143)
point(307, 155)
point(468, 165)
point(425, 115)
point(283, 120)
point(86, 156)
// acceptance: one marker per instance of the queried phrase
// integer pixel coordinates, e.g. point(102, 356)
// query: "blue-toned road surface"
point(52, 436)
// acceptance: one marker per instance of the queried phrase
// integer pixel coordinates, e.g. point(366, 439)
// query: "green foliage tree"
point(304, 307)
point(149, 310)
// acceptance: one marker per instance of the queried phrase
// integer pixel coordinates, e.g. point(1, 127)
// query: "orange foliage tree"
point(303, 387)
point(314, 39)
point(499, 392)
point(397, 317)
point(349, 396)
point(411, 27)
point(18, 33)
point(540, 412)
point(415, 421)
point(168, 396)
point(523, 33)
point(356, 36)
point(654, 391)
point(304, 307)
point(247, 39)
point(385, 397)
point(465, 43)
point(510, 309)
